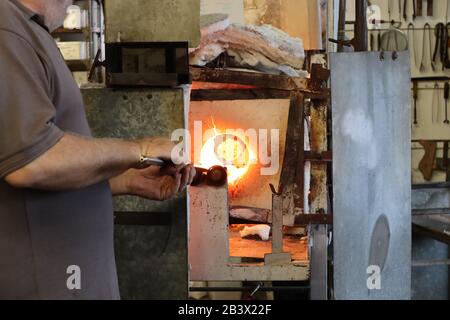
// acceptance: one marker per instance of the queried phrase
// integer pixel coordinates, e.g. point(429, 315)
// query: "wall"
point(151, 259)
point(427, 128)
point(299, 18)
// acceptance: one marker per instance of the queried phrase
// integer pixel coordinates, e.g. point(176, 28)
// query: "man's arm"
point(77, 162)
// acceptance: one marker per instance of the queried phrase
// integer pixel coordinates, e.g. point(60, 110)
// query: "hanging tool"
point(445, 39)
point(394, 39)
point(436, 104)
point(430, 6)
point(441, 46)
point(412, 43)
point(446, 13)
point(443, 164)
point(446, 97)
point(426, 30)
point(419, 8)
point(391, 10)
point(379, 40)
point(415, 96)
point(405, 9)
point(372, 42)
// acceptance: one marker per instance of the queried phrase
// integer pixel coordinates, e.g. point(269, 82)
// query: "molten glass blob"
point(229, 151)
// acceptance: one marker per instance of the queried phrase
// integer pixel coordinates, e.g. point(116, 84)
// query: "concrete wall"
point(299, 18)
point(151, 259)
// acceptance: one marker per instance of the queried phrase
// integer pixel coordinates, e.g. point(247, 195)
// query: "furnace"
point(253, 228)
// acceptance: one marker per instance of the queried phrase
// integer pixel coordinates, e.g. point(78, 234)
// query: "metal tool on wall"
point(391, 9)
point(412, 43)
point(394, 39)
point(427, 32)
point(415, 97)
point(419, 8)
point(441, 46)
point(435, 104)
point(372, 42)
point(406, 7)
point(446, 97)
point(430, 6)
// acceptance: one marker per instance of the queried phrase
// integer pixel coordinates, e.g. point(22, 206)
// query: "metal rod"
point(430, 79)
point(431, 263)
point(430, 140)
point(341, 28)
point(443, 185)
point(431, 212)
point(387, 29)
point(249, 289)
point(430, 88)
point(361, 34)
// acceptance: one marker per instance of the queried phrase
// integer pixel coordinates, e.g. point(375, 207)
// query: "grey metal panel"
point(319, 262)
point(151, 260)
point(372, 174)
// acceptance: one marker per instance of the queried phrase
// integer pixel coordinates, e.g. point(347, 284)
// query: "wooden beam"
point(246, 94)
point(262, 80)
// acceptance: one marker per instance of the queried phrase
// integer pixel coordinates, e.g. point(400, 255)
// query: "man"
point(56, 182)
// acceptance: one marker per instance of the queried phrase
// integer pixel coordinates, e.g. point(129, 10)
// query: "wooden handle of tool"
point(427, 164)
point(447, 91)
point(430, 7)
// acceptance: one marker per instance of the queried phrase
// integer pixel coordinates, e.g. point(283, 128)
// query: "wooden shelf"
point(89, 34)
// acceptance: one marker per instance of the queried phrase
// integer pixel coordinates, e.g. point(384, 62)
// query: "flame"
point(230, 151)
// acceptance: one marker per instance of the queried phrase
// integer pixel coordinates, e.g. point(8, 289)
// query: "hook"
point(394, 55)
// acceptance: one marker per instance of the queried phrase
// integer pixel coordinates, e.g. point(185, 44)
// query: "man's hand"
point(154, 183)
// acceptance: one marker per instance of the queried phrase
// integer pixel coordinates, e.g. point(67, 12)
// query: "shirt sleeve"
point(27, 114)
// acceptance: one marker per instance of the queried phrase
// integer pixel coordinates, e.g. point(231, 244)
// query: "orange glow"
point(230, 151)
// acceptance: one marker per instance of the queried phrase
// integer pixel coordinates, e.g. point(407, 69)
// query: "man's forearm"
point(77, 162)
